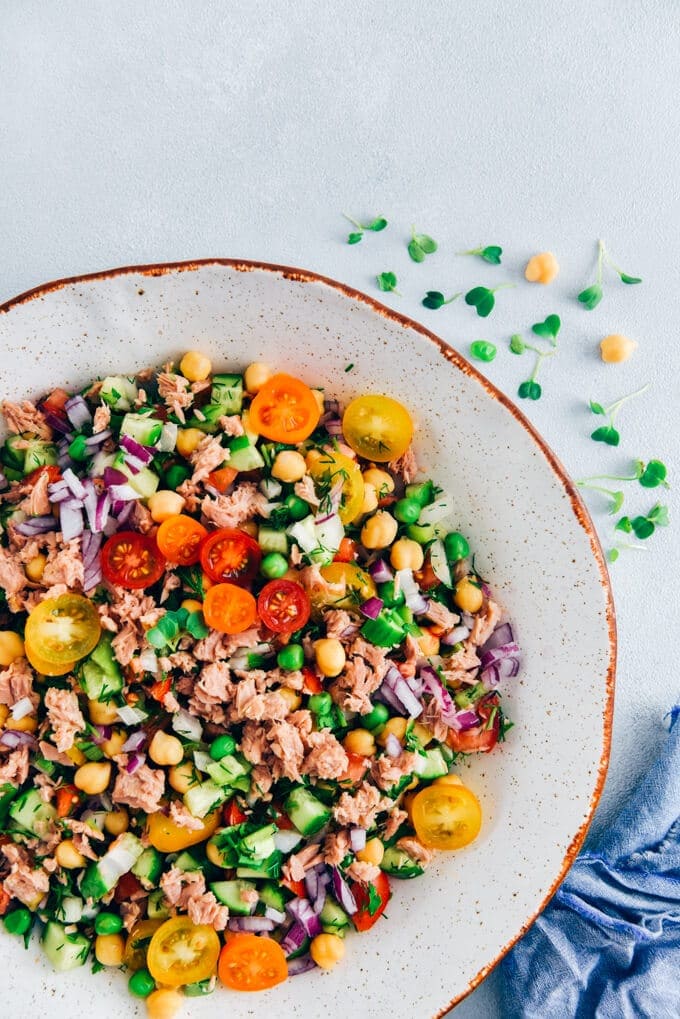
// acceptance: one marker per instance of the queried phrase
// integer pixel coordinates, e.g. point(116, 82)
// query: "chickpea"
point(214, 855)
point(11, 647)
point(289, 466)
point(114, 745)
point(359, 741)
point(182, 777)
point(188, 440)
point(165, 504)
point(468, 596)
point(192, 605)
point(542, 268)
point(93, 778)
point(429, 643)
point(165, 749)
point(163, 1003)
point(68, 857)
point(4, 714)
point(117, 821)
point(101, 713)
point(379, 531)
point(616, 348)
point(256, 375)
point(330, 656)
point(447, 780)
point(373, 852)
point(195, 366)
point(370, 503)
point(109, 949)
point(36, 567)
point(381, 480)
point(291, 697)
point(326, 950)
point(29, 723)
point(407, 554)
point(395, 727)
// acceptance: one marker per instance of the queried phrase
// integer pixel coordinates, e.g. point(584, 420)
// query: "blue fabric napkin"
point(608, 944)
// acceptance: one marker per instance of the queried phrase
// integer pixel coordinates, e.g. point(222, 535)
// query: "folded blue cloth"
point(608, 944)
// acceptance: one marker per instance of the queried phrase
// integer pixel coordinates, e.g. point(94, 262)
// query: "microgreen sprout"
point(592, 295)
point(376, 225)
point(434, 299)
point(482, 298)
point(420, 246)
point(614, 553)
point(482, 350)
point(649, 475)
point(548, 329)
point(608, 433)
point(387, 282)
point(643, 527)
point(492, 253)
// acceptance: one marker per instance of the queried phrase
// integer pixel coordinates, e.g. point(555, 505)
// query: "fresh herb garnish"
point(649, 475)
point(592, 295)
point(482, 298)
point(608, 433)
point(434, 299)
point(548, 329)
point(171, 627)
point(348, 367)
point(374, 901)
point(491, 253)
point(420, 246)
point(387, 282)
point(482, 350)
point(644, 526)
point(376, 225)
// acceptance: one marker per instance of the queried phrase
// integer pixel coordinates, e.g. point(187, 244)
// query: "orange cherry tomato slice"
point(252, 963)
point(179, 539)
point(283, 606)
point(284, 410)
point(229, 609)
point(230, 555)
point(132, 560)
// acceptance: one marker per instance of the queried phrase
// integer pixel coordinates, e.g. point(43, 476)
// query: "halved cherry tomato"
point(283, 822)
point(329, 469)
point(283, 606)
point(64, 629)
point(132, 560)
point(446, 816)
point(51, 470)
point(5, 899)
point(426, 576)
point(222, 479)
point(252, 963)
point(230, 555)
point(232, 814)
point(284, 410)
point(179, 539)
point(129, 888)
point(298, 888)
point(66, 798)
point(182, 952)
point(138, 940)
point(229, 609)
point(56, 402)
point(346, 552)
point(377, 427)
point(43, 666)
point(482, 738)
point(160, 689)
point(312, 682)
point(168, 837)
point(356, 769)
point(349, 585)
point(363, 920)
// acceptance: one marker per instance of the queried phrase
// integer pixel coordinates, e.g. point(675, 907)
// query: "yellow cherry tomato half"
point(182, 952)
point(45, 667)
point(137, 943)
point(168, 837)
point(356, 584)
point(377, 427)
point(329, 469)
point(446, 816)
point(63, 629)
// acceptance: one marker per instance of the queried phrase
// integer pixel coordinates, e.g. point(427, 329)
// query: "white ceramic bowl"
point(534, 541)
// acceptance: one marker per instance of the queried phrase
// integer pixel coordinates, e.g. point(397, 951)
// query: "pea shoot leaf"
point(378, 224)
point(354, 238)
point(433, 299)
point(530, 390)
point(597, 408)
point(624, 525)
point(617, 502)
point(517, 345)
point(482, 299)
point(591, 296)
point(387, 282)
point(643, 527)
point(607, 434)
point(421, 245)
point(548, 329)
point(653, 475)
point(613, 555)
point(625, 278)
point(492, 254)
point(659, 515)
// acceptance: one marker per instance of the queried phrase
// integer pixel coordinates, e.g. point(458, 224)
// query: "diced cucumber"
point(187, 861)
point(228, 769)
point(227, 393)
point(8, 794)
point(272, 895)
point(436, 511)
point(230, 893)
point(65, 951)
point(398, 863)
point(39, 454)
point(386, 630)
point(144, 483)
point(334, 919)
point(144, 428)
point(330, 533)
point(243, 456)
point(269, 868)
point(119, 392)
point(259, 845)
point(100, 675)
point(156, 908)
point(14, 451)
point(102, 876)
point(308, 814)
point(271, 488)
point(205, 797)
point(70, 910)
point(435, 765)
point(148, 867)
point(271, 540)
point(439, 563)
point(30, 813)
point(303, 533)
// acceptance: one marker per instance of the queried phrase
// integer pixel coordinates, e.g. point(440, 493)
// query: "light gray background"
point(174, 129)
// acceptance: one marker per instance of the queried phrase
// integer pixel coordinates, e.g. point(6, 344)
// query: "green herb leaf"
point(428, 244)
point(378, 224)
point(607, 434)
point(549, 328)
point(624, 525)
point(433, 299)
point(355, 237)
point(416, 252)
point(613, 555)
point(517, 345)
point(387, 282)
point(591, 296)
point(659, 515)
point(625, 278)
point(653, 475)
point(642, 527)
point(530, 390)
point(617, 502)
point(492, 253)
point(482, 350)
point(482, 299)
point(597, 408)
point(374, 900)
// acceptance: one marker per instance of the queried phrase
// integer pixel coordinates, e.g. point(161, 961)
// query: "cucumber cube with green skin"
point(187, 861)
point(385, 631)
point(156, 908)
point(272, 895)
point(39, 454)
point(334, 920)
point(14, 452)
point(119, 392)
point(144, 428)
point(227, 393)
point(308, 814)
point(31, 814)
point(259, 845)
point(65, 951)
point(148, 867)
point(100, 674)
point(144, 483)
point(102, 876)
point(399, 864)
point(231, 893)
point(271, 540)
point(270, 868)
point(227, 770)
point(205, 797)
point(435, 765)
point(243, 456)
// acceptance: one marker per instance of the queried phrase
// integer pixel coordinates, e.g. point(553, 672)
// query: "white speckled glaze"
point(534, 541)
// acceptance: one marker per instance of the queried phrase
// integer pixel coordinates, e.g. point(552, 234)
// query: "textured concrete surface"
point(170, 130)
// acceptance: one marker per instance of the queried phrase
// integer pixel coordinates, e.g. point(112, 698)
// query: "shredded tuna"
point(50, 753)
point(232, 510)
point(64, 716)
point(126, 643)
point(212, 693)
point(25, 417)
point(262, 780)
point(140, 519)
point(14, 769)
point(304, 489)
point(441, 616)
point(207, 457)
point(12, 577)
point(254, 743)
point(326, 758)
point(336, 622)
point(141, 790)
point(65, 566)
point(432, 719)
point(363, 872)
point(129, 606)
point(181, 660)
point(171, 582)
point(170, 703)
point(183, 817)
point(354, 685)
point(102, 418)
point(335, 848)
point(130, 912)
point(250, 704)
point(37, 504)
point(78, 827)
point(406, 466)
point(462, 666)
point(248, 896)
point(231, 424)
point(485, 623)
point(394, 821)
point(186, 891)
point(375, 656)
point(190, 493)
point(175, 391)
point(218, 646)
point(287, 747)
point(299, 863)
point(23, 882)
point(81, 841)
point(416, 850)
point(387, 771)
point(45, 786)
point(312, 581)
point(412, 653)
point(361, 808)
point(16, 682)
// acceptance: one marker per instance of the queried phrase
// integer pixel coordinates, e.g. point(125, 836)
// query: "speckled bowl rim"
point(459, 362)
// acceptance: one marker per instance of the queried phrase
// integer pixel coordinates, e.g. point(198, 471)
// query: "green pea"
point(78, 449)
point(108, 923)
point(222, 746)
point(18, 921)
point(387, 595)
point(482, 350)
point(407, 511)
point(297, 507)
point(274, 565)
point(456, 547)
point(422, 533)
point(376, 717)
point(320, 703)
point(291, 657)
point(423, 493)
point(141, 984)
point(175, 475)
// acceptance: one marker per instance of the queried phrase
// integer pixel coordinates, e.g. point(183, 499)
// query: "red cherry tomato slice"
point(230, 556)
point(132, 560)
point(363, 919)
point(283, 606)
point(484, 737)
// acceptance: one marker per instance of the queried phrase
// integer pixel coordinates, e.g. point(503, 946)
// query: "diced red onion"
point(331, 406)
point(371, 608)
point(415, 685)
point(135, 761)
point(141, 453)
point(333, 426)
point(392, 746)
point(125, 512)
point(134, 742)
point(64, 461)
point(184, 723)
point(501, 635)
point(92, 571)
point(14, 738)
point(98, 438)
point(58, 491)
point(56, 422)
point(133, 464)
point(312, 885)
point(78, 412)
point(380, 571)
point(36, 525)
point(498, 654)
point(342, 892)
point(102, 511)
point(251, 924)
point(454, 636)
point(301, 910)
point(415, 600)
point(357, 837)
point(74, 483)
point(491, 677)
point(114, 477)
point(433, 684)
point(122, 493)
point(301, 964)
point(294, 939)
point(395, 682)
point(274, 914)
point(70, 521)
point(467, 719)
point(100, 733)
